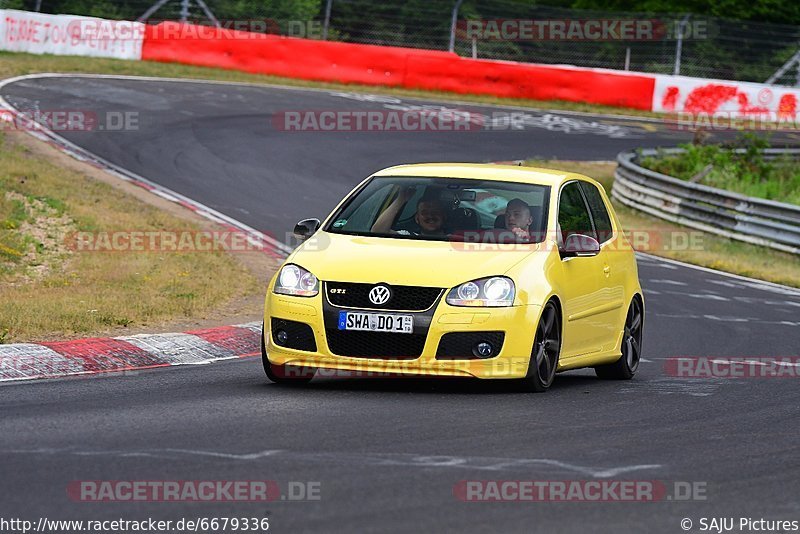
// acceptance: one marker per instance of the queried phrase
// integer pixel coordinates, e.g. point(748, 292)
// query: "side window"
point(573, 217)
point(602, 221)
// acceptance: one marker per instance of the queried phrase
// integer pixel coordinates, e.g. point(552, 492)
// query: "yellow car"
point(472, 270)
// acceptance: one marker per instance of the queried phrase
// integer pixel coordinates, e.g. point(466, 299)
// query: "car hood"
point(337, 257)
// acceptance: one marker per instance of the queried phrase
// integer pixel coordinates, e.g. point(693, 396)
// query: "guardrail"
point(752, 220)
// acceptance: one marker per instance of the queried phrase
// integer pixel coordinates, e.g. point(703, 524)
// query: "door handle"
point(607, 270)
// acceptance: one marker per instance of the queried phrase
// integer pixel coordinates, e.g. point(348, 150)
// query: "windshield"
point(442, 209)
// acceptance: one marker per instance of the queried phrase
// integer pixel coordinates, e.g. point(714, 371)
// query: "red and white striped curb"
point(28, 361)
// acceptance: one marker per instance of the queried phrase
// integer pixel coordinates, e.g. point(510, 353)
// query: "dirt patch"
point(45, 231)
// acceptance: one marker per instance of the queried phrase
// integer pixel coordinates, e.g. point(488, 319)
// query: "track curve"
point(388, 453)
point(218, 144)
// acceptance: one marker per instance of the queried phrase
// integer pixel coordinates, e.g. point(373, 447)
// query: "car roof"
point(484, 171)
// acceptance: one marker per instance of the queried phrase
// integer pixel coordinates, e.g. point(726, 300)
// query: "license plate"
point(376, 322)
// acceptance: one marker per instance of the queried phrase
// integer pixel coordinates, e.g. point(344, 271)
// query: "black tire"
point(546, 350)
point(625, 368)
point(284, 374)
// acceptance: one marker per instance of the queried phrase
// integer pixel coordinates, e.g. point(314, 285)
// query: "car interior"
point(461, 216)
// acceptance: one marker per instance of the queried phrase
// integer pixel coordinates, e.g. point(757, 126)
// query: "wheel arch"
point(556, 300)
point(638, 296)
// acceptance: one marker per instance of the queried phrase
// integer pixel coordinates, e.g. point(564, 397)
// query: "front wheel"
point(546, 349)
point(284, 374)
point(628, 363)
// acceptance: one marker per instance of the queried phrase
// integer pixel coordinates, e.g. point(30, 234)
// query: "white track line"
point(756, 283)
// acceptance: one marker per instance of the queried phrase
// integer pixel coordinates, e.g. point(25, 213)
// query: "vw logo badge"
point(380, 295)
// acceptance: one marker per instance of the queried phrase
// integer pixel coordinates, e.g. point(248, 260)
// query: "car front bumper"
point(511, 361)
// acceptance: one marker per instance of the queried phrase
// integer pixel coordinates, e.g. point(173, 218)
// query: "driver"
point(429, 215)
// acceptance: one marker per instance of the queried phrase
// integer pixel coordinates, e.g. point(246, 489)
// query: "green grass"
point(16, 64)
point(747, 173)
point(48, 290)
point(12, 242)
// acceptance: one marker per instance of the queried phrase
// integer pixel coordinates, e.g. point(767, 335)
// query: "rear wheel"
point(546, 349)
point(284, 374)
point(628, 363)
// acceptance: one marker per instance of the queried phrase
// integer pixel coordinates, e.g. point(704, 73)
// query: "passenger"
point(429, 215)
point(518, 218)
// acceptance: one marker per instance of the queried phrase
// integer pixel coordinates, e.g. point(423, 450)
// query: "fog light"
point(281, 337)
point(483, 350)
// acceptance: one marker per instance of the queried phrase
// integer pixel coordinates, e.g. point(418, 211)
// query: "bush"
point(747, 173)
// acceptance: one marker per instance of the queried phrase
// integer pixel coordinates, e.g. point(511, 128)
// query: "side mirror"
point(579, 246)
point(306, 228)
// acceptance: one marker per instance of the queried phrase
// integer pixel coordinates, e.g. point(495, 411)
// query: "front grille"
point(459, 345)
point(408, 298)
point(375, 344)
point(300, 336)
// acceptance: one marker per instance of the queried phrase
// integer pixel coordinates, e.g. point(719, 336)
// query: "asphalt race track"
point(218, 144)
point(388, 453)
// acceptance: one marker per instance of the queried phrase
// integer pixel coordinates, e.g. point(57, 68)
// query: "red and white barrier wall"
point(682, 94)
point(70, 35)
point(390, 66)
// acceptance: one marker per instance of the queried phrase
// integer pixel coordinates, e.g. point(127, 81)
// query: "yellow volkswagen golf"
point(487, 271)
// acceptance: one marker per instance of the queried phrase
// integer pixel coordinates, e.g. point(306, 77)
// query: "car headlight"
point(495, 291)
point(294, 280)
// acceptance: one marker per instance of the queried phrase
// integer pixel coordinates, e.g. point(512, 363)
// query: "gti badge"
point(380, 295)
